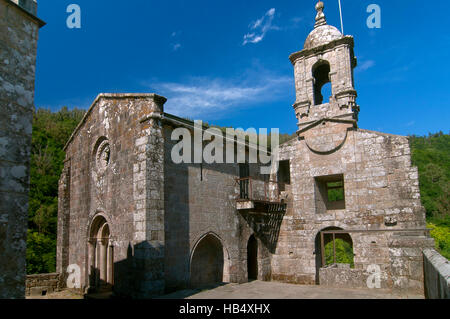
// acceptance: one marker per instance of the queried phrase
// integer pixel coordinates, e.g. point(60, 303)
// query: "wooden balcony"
point(259, 196)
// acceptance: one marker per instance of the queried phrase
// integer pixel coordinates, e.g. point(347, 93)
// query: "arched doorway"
point(340, 252)
point(252, 258)
point(207, 263)
point(101, 256)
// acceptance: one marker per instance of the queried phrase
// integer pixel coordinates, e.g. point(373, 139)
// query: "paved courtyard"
point(259, 290)
point(276, 290)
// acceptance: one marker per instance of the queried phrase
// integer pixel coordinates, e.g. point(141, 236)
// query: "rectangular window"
point(329, 193)
point(284, 172)
point(284, 175)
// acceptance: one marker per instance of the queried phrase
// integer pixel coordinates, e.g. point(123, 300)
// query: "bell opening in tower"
point(322, 84)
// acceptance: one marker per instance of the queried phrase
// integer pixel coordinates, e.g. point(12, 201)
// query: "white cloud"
point(260, 27)
point(366, 65)
point(176, 46)
point(295, 22)
point(206, 96)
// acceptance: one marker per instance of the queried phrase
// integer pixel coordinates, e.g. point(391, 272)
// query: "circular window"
point(103, 156)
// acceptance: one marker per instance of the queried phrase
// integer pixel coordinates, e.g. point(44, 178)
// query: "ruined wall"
point(116, 185)
point(18, 45)
point(345, 278)
point(437, 275)
point(381, 193)
point(42, 284)
point(406, 260)
point(200, 199)
point(380, 187)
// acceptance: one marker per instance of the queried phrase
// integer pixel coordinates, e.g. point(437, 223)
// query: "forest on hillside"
point(51, 130)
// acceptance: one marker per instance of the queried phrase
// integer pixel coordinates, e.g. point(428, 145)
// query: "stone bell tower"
point(327, 56)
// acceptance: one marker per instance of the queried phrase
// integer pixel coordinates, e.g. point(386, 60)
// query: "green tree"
point(431, 154)
point(344, 253)
point(51, 130)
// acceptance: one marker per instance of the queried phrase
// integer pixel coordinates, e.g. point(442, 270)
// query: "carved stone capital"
point(302, 109)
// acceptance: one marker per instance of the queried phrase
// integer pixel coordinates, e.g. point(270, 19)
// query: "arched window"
point(322, 84)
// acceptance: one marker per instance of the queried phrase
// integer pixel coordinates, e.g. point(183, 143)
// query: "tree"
point(51, 130)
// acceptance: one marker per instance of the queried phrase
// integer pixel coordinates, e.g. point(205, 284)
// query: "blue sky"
point(226, 62)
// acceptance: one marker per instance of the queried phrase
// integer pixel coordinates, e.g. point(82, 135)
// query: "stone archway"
point(328, 238)
point(101, 256)
point(252, 258)
point(207, 262)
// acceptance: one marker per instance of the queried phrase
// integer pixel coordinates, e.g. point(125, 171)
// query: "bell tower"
point(327, 57)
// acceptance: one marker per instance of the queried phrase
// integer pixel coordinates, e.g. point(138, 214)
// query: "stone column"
point(110, 269)
point(103, 260)
point(91, 263)
point(98, 259)
point(149, 197)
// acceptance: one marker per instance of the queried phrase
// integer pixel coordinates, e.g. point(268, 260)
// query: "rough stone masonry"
point(135, 222)
point(18, 43)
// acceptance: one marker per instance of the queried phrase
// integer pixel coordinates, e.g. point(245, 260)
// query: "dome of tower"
point(322, 33)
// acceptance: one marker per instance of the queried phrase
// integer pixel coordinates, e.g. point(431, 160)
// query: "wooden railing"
point(248, 190)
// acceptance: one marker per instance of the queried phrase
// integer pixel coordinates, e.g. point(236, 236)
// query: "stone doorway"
point(252, 258)
point(101, 256)
point(207, 263)
point(328, 239)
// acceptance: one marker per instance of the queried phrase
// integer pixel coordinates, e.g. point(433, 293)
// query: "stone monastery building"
point(134, 221)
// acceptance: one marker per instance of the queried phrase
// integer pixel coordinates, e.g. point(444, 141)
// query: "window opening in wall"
point(322, 84)
point(329, 193)
point(333, 248)
point(284, 175)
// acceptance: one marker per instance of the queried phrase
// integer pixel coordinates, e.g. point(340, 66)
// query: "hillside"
point(51, 130)
point(431, 154)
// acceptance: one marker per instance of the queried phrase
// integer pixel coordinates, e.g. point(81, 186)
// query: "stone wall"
point(121, 186)
point(42, 284)
point(160, 212)
point(406, 260)
point(381, 193)
point(345, 278)
point(437, 275)
point(200, 201)
point(29, 5)
point(18, 45)
point(380, 186)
